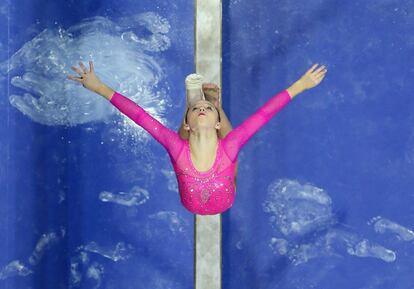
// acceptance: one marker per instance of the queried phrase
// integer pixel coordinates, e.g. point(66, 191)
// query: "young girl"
point(204, 164)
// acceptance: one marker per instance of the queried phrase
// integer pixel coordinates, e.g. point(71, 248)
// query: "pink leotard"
point(203, 192)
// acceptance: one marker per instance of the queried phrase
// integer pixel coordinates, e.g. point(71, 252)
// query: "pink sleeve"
point(165, 136)
point(235, 139)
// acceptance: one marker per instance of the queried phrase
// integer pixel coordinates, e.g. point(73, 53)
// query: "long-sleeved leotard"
point(203, 192)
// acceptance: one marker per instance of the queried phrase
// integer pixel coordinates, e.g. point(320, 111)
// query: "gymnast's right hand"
point(87, 77)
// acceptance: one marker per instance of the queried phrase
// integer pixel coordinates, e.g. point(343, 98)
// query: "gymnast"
point(204, 152)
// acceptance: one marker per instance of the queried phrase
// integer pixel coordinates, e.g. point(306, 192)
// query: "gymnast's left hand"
point(313, 76)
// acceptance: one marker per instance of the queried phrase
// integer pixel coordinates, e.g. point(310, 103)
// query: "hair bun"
point(194, 88)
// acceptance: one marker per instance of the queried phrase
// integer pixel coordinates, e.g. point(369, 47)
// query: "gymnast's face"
point(202, 114)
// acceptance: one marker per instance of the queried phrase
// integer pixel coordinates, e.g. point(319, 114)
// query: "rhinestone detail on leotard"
point(208, 192)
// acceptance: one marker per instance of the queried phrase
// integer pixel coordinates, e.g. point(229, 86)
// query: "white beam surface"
point(207, 234)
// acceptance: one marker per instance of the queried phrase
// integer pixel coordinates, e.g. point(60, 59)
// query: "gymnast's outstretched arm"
point(236, 139)
point(168, 138)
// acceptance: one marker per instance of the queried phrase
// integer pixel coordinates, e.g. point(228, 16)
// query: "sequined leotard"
point(209, 192)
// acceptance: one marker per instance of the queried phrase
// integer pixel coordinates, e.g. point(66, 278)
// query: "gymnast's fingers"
point(83, 67)
point(74, 68)
point(91, 69)
point(312, 68)
point(75, 78)
point(322, 72)
point(319, 69)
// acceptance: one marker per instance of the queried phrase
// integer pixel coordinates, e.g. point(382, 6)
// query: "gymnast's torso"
point(205, 192)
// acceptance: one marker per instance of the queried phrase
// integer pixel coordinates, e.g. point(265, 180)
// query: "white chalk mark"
point(172, 180)
point(75, 271)
point(14, 268)
point(366, 249)
point(298, 209)
point(135, 197)
point(280, 246)
point(44, 243)
point(383, 225)
point(303, 215)
point(175, 222)
point(96, 272)
point(41, 65)
point(121, 251)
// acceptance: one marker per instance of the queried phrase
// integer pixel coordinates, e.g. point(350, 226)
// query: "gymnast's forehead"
point(203, 102)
